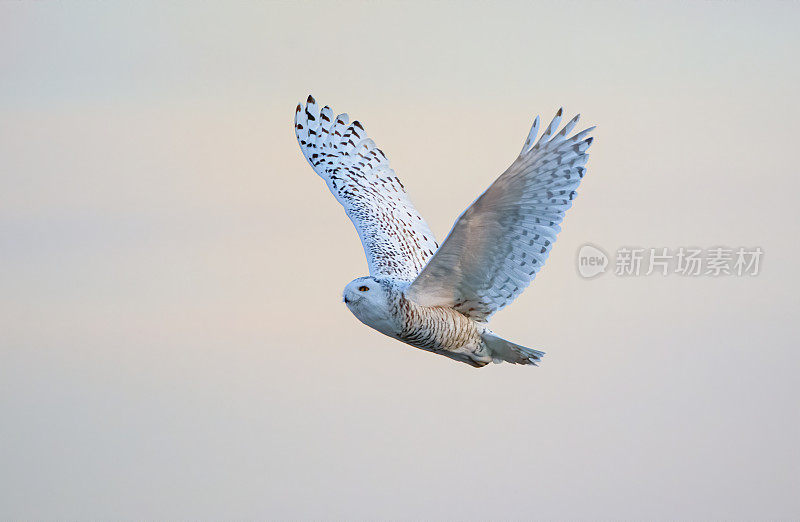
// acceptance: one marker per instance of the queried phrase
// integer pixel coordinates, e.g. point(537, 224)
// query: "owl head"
point(368, 299)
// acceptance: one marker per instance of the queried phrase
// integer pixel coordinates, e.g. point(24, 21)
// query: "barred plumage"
point(396, 240)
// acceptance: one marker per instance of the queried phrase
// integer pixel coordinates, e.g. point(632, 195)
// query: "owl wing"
point(396, 240)
point(500, 242)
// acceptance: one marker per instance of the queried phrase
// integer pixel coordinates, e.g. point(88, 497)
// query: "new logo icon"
point(591, 261)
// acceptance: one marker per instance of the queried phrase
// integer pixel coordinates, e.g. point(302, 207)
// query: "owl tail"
point(502, 350)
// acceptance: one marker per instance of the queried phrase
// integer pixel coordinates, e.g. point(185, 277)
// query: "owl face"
point(364, 291)
point(368, 300)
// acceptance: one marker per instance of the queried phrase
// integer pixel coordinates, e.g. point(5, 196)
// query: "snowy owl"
point(440, 298)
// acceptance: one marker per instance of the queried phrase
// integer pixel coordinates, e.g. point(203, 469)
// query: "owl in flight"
point(440, 298)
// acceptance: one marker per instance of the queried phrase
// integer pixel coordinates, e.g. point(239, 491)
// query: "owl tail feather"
point(502, 350)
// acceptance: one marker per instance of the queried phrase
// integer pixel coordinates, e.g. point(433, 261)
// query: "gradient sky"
point(172, 338)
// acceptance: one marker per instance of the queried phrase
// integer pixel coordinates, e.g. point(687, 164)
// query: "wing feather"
point(498, 245)
point(396, 240)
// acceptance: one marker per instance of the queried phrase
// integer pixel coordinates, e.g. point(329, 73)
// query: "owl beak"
point(345, 300)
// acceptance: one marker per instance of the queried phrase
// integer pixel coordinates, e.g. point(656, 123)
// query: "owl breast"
point(437, 328)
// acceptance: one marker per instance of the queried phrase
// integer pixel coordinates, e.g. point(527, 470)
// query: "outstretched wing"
point(397, 241)
point(500, 242)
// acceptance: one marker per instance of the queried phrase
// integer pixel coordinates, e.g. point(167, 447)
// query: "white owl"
point(437, 298)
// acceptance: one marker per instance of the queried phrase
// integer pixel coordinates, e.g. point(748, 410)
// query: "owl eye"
point(363, 288)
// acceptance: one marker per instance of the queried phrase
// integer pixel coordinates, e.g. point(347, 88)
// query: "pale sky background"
point(172, 338)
